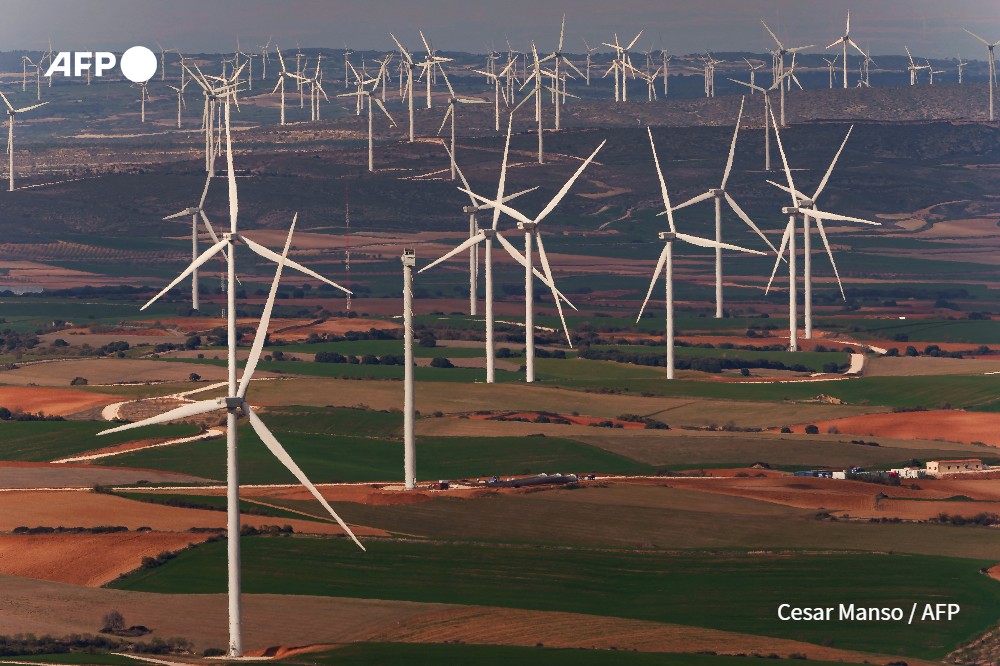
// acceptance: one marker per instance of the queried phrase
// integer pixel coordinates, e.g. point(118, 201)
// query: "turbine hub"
point(232, 404)
point(668, 236)
point(488, 233)
point(717, 193)
point(527, 227)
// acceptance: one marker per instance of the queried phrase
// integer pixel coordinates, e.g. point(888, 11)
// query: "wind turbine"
point(453, 102)
point(767, 117)
point(314, 85)
point(197, 212)
point(497, 92)
point(811, 203)
point(831, 66)
point(780, 53)
point(666, 71)
point(180, 99)
point(25, 61)
point(407, 61)
point(914, 68)
point(807, 209)
point(264, 58)
point(932, 71)
point(363, 93)
point(961, 67)
point(559, 59)
point(666, 258)
point(622, 64)
point(11, 113)
point(429, 64)
point(753, 74)
point(651, 84)
point(590, 52)
point(486, 236)
point(531, 234)
point(992, 61)
point(844, 42)
point(236, 400)
point(282, 75)
point(719, 195)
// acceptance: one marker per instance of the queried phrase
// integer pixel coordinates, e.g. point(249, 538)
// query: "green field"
point(420, 654)
point(331, 458)
point(379, 348)
point(735, 591)
point(84, 658)
point(812, 360)
point(42, 441)
point(960, 391)
point(216, 503)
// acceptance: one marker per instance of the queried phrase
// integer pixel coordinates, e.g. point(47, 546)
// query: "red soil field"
point(52, 401)
point(85, 559)
point(88, 509)
point(943, 425)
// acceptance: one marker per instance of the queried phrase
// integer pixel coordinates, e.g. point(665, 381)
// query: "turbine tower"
point(236, 401)
point(531, 235)
point(666, 259)
point(719, 195)
point(810, 203)
point(11, 114)
point(485, 236)
point(992, 61)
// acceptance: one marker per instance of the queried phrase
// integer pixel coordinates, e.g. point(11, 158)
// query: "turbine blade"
point(461, 248)
point(663, 183)
point(652, 283)
point(826, 176)
point(265, 318)
point(746, 218)
point(447, 113)
point(789, 229)
point(275, 257)
point(279, 452)
point(490, 203)
point(184, 411)
point(552, 285)
point(829, 253)
point(195, 265)
point(784, 159)
point(732, 146)
point(784, 188)
point(503, 169)
point(834, 217)
point(704, 242)
point(569, 183)
point(698, 199)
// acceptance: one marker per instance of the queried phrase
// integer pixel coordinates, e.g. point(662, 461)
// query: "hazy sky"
point(929, 27)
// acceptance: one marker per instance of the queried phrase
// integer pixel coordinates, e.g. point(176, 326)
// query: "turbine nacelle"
point(528, 227)
point(668, 236)
point(409, 257)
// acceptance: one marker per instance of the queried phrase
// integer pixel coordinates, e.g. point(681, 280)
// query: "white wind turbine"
point(805, 207)
point(236, 400)
point(622, 66)
point(407, 61)
point(961, 68)
point(590, 52)
point(264, 58)
point(914, 68)
point(431, 65)
point(282, 75)
point(845, 41)
point(753, 74)
point(719, 195)
point(811, 203)
point(932, 71)
point(651, 84)
point(497, 91)
point(767, 116)
point(780, 53)
point(11, 113)
point(991, 61)
point(453, 102)
point(531, 234)
point(666, 259)
point(558, 59)
point(486, 236)
point(197, 212)
point(831, 68)
point(180, 99)
point(367, 94)
point(666, 71)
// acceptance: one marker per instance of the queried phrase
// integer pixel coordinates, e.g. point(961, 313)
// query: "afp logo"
point(138, 64)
